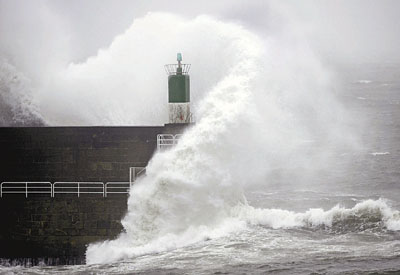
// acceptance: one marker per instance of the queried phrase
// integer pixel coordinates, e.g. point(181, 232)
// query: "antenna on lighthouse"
point(179, 59)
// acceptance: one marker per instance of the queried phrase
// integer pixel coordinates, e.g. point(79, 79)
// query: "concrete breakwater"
point(56, 230)
point(74, 153)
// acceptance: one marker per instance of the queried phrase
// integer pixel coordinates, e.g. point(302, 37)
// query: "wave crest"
point(366, 215)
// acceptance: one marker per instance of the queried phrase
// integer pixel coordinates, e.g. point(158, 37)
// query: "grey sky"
point(57, 32)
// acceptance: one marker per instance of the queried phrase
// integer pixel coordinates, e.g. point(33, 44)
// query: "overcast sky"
point(61, 31)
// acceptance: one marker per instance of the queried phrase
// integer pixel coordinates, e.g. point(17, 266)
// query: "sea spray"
point(125, 83)
point(17, 105)
point(253, 120)
point(189, 191)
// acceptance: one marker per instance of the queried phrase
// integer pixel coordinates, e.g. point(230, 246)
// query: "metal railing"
point(172, 69)
point(141, 172)
point(27, 187)
point(78, 188)
point(116, 188)
point(136, 172)
point(167, 140)
point(71, 187)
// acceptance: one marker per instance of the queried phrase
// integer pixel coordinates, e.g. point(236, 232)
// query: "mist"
point(44, 40)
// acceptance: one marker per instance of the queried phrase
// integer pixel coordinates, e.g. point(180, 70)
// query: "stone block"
point(103, 224)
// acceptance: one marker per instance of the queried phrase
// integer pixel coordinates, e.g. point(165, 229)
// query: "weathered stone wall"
point(57, 230)
point(74, 153)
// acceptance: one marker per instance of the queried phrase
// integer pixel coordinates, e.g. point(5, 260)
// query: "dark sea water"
point(361, 236)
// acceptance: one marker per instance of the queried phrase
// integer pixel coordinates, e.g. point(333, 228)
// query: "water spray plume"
point(250, 122)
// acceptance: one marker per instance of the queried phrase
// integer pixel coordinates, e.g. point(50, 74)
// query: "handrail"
point(167, 140)
point(117, 186)
point(66, 187)
point(10, 189)
point(143, 171)
point(171, 69)
point(77, 185)
point(135, 172)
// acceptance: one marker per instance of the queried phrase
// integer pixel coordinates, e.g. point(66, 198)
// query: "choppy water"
point(284, 233)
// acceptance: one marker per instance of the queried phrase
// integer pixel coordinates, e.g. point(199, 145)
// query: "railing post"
point(105, 190)
point(131, 174)
point(26, 189)
point(78, 189)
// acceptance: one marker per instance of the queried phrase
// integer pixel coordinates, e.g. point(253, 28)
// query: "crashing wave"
point(366, 215)
point(17, 107)
point(254, 119)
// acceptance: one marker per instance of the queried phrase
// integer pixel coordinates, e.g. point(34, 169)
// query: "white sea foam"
point(188, 192)
point(253, 120)
point(379, 153)
point(360, 214)
point(364, 215)
point(364, 81)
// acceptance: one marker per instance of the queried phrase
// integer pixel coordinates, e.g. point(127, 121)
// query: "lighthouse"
point(178, 92)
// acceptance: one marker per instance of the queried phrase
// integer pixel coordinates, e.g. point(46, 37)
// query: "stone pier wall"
point(57, 230)
point(74, 153)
